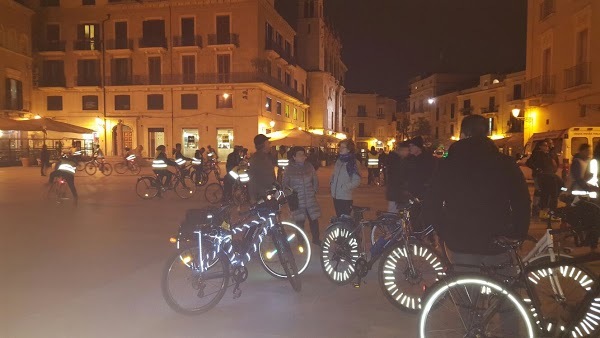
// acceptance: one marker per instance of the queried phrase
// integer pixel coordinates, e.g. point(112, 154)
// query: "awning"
point(43, 124)
point(297, 137)
point(515, 141)
point(9, 124)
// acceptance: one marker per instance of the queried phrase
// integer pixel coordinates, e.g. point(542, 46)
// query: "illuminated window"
point(224, 101)
point(269, 105)
point(295, 114)
point(287, 111)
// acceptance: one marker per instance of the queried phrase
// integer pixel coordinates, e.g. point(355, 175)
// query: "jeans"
point(342, 207)
point(549, 188)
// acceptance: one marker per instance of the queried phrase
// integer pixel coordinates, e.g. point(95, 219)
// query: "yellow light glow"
point(270, 254)
point(300, 248)
point(272, 124)
point(172, 240)
point(37, 117)
point(341, 136)
point(454, 138)
point(225, 96)
point(497, 136)
point(317, 131)
point(516, 112)
point(1, 133)
point(186, 259)
point(299, 128)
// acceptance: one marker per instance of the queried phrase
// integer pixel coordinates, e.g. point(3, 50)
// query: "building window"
point(362, 111)
point(361, 130)
point(121, 40)
point(155, 102)
point(279, 73)
point(14, 94)
point(88, 2)
point(295, 114)
point(303, 115)
point(437, 113)
point(288, 79)
point(451, 130)
point(89, 102)
point(54, 103)
point(452, 110)
point(188, 68)
point(50, 3)
point(53, 73)
point(287, 111)
point(517, 92)
point(88, 73)
point(225, 101)
point(295, 85)
point(153, 32)
point(122, 102)
point(278, 108)
point(224, 67)
point(188, 32)
point(492, 104)
point(120, 72)
point(269, 105)
point(87, 36)
point(189, 101)
point(154, 77)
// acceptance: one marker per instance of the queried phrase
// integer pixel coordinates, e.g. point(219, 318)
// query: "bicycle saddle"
point(360, 209)
point(508, 243)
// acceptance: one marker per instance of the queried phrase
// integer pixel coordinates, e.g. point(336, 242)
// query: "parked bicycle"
point(205, 267)
point(147, 187)
point(129, 164)
point(98, 164)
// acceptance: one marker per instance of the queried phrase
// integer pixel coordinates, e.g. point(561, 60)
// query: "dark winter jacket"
point(397, 176)
point(420, 173)
point(262, 174)
point(233, 160)
point(476, 195)
point(303, 179)
point(541, 163)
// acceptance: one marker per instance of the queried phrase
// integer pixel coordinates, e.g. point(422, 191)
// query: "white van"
point(566, 142)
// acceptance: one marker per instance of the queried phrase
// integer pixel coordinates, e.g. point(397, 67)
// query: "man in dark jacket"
point(261, 171)
point(421, 168)
point(233, 160)
point(543, 168)
point(397, 175)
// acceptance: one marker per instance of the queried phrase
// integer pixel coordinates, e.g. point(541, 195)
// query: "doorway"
point(122, 136)
point(224, 142)
point(189, 143)
point(156, 137)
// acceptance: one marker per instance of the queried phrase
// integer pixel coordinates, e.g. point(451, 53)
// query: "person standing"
point(302, 178)
point(345, 178)
point(477, 195)
point(44, 159)
point(578, 172)
point(382, 162)
point(313, 158)
point(372, 165)
point(397, 174)
point(421, 168)
point(233, 160)
point(542, 165)
point(261, 171)
point(282, 162)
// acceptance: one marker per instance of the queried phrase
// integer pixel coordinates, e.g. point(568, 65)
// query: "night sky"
point(387, 42)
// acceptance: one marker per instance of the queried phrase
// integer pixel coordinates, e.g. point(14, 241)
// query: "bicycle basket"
point(293, 201)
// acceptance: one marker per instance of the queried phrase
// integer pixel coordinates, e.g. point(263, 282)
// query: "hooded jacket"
point(303, 179)
point(477, 195)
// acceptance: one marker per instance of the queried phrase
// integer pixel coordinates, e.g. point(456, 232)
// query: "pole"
point(104, 83)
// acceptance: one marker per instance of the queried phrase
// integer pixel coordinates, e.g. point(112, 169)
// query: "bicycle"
point(214, 258)
point(59, 192)
point(129, 164)
point(342, 261)
point(197, 173)
point(214, 191)
point(148, 187)
point(239, 190)
point(482, 302)
point(92, 166)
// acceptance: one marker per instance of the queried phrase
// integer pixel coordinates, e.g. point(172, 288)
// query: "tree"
point(421, 127)
point(403, 126)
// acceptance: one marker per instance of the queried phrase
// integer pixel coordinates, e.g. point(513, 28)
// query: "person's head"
point(245, 151)
point(45, 147)
point(282, 149)
point(543, 147)
point(178, 146)
point(262, 144)
point(372, 149)
point(298, 154)
point(97, 146)
point(474, 126)
point(585, 150)
point(346, 147)
point(161, 148)
point(550, 143)
point(201, 150)
point(415, 146)
point(403, 149)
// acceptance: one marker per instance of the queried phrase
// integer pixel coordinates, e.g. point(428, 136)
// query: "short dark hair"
point(295, 150)
point(349, 144)
point(584, 146)
point(474, 126)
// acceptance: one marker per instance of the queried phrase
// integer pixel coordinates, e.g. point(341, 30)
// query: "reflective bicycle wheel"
point(189, 289)
point(90, 168)
point(185, 187)
point(300, 247)
point(473, 305)
point(286, 257)
point(120, 168)
point(339, 253)
point(199, 177)
point(407, 271)
point(146, 187)
point(107, 169)
point(214, 193)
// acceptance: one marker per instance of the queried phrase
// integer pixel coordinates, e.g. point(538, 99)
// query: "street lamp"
point(431, 100)
point(272, 124)
point(516, 112)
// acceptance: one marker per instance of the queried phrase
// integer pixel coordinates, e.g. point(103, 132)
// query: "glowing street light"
point(37, 117)
point(225, 96)
point(272, 124)
point(516, 112)
point(431, 100)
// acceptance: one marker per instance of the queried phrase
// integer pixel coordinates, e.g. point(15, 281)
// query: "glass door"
point(224, 142)
point(189, 143)
point(156, 137)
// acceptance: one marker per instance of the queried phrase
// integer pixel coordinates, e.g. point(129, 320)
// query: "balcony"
point(153, 42)
point(51, 46)
point(539, 86)
point(148, 80)
point(489, 111)
point(87, 81)
point(224, 40)
point(121, 80)
point(578, 75)
point(280, 52)
point(52, 81)
point(86, 45)
point(514, 97)
point(17, 105)
point(361, 113)
point(547, 7)
point(119, 44)
point(381, 116)
point(467, 111)
point(194, 41)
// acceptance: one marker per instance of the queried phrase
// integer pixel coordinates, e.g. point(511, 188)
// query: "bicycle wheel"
point(185, 187)
point(213, 193)
point(472, 305)
point(407, 271)
point(121, 168)
point(135, 169)
point(560, 291)
point(381, 230)
point(238, 195)
point(299, 244)
point(146, 187)
point(339, 253)
point(80, 166)
point(90, 168)
point(286, 258)
point(107, 169)
point(189, 291)
point(199, 177)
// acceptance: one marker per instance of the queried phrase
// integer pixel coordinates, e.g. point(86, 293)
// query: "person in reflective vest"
point(373, 165)
point(233, 161)
point(65, 169)
point(160, 166)
point(282, 162)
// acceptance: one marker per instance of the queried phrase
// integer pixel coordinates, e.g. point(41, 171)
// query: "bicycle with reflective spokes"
point(148, 187)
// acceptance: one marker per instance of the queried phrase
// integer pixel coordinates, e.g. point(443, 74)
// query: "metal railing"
point(86, 44)
point(55, 81)
point(120, 80)
point(149, 42)
point(119, 44)
point(513, 97)
point(578, 75)
point(223, 39)
point(51, 46)
point(87, 81)
point(541, 85)
point(277, 48)
point(184, 41)
point(547, 7)
point(467, 111)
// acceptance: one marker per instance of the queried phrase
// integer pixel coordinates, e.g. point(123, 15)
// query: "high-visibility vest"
point(67, 167)
point(240, 174)
point(196, 161)
point(594, 171)
point(282, 161)
point(159, 165)
point(131, 157)
point(373, 162)
point(180, 162)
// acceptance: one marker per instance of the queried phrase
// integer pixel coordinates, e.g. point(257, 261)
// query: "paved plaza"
point(95, 271)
